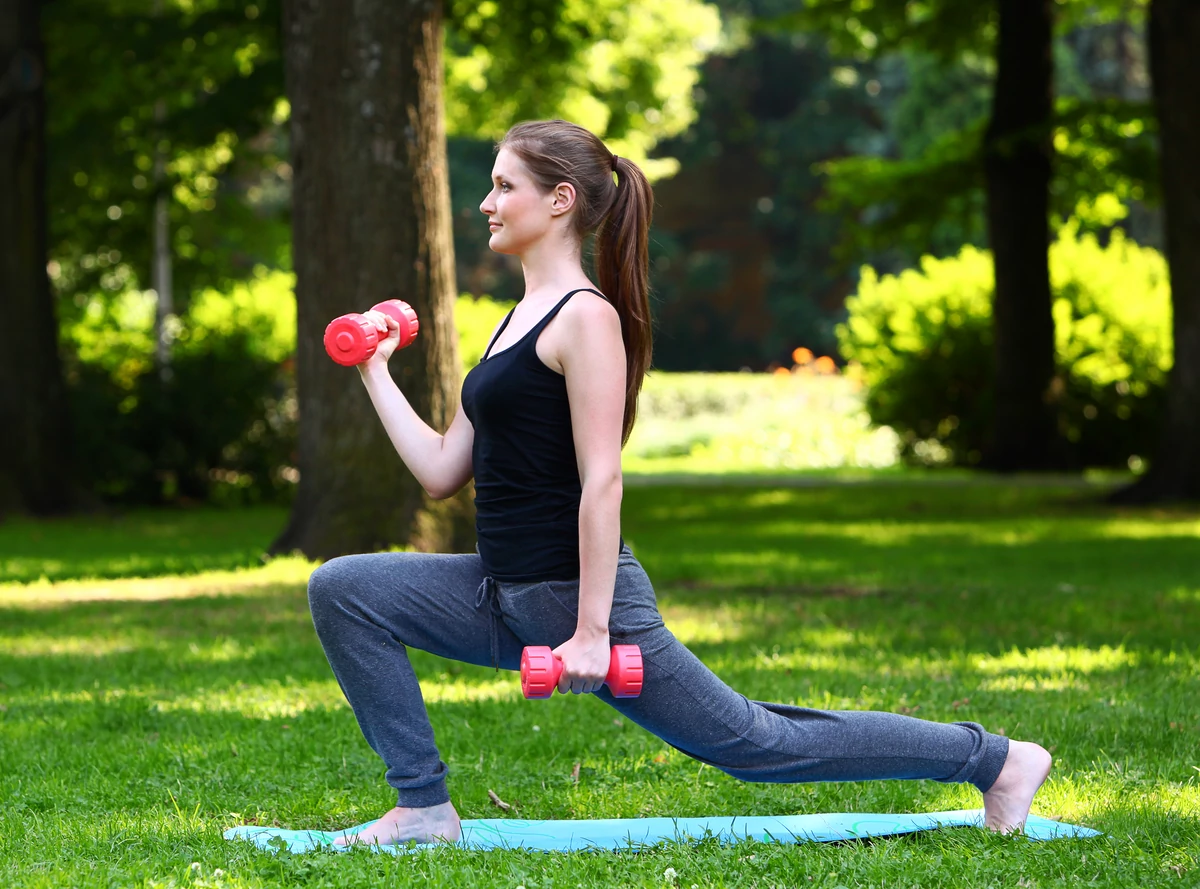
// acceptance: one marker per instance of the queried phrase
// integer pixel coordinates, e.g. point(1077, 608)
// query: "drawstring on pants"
point(488, 595)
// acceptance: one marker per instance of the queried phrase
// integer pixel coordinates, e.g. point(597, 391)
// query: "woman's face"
point(518, 213)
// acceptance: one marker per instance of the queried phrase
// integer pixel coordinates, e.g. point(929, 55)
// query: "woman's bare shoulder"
point(587, 319)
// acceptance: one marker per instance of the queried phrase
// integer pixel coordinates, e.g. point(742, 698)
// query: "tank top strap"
point(534, 331)
point(537, 328)
point(507, 318)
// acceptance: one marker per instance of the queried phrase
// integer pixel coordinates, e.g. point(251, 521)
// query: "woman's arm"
point(441, 463)
point(594, 366)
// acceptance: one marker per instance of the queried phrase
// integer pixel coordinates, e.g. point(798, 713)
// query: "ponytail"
point(623, 273)
point(556, 151)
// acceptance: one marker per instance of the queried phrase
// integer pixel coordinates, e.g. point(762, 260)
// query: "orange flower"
point(782, 372)
point(802, 355)
point(825, 365)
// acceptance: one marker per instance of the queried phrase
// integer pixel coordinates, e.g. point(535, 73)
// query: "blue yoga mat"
point(638, 833)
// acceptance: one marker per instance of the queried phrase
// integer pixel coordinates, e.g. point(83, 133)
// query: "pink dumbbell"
point(540, 670)
point(352, 339)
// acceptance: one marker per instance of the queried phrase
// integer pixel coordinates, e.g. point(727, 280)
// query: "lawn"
point(159, 684)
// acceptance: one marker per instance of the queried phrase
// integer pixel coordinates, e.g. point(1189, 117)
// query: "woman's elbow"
point(604, 482)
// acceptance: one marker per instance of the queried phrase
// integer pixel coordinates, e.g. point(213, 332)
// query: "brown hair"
point(556, 151)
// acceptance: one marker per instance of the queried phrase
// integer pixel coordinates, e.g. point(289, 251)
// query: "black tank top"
point(527, 487)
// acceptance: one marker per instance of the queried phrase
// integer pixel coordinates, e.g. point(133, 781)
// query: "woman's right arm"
point(441, 463)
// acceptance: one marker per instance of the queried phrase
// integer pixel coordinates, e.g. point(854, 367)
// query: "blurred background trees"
point(793, 150)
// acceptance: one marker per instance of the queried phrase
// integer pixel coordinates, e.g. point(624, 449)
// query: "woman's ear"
point(563, 199)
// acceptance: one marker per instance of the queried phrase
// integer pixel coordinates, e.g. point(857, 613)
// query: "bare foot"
point(432, 825)
point(1006, 804)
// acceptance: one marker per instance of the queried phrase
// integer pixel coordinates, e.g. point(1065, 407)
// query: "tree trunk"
point(1174, 73)
point(1017, 162)
point(370, 217)
point(161, 261)
point(34, 445)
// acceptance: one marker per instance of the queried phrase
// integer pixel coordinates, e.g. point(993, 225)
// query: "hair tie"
point(614, 162)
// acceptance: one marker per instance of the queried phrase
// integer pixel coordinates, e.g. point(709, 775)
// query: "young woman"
point(543, 418)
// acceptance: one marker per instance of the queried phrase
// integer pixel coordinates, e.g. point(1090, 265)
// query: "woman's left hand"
point(585, 658)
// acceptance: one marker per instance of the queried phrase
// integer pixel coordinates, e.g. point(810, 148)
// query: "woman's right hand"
point(389, 336)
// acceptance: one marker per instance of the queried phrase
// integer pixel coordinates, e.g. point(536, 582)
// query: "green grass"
point(139, 717)
point(141, 543)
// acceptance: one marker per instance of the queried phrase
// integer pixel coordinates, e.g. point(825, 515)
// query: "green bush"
point(923, 345)
point(221, 426)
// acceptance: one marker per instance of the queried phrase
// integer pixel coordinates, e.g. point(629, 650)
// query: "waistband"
point(488, 596)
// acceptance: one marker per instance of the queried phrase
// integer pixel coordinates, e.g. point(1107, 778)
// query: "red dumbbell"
point(540, 670)
point(352, 339)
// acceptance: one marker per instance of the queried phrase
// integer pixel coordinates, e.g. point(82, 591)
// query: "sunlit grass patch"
point(1055, 659)
point(239, 581)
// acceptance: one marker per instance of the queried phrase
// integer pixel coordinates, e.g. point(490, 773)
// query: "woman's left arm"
point(594, 366)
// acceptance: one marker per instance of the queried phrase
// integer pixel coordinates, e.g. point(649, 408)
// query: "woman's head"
point(579, 179)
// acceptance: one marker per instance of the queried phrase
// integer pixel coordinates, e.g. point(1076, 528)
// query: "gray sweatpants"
point(368, 608)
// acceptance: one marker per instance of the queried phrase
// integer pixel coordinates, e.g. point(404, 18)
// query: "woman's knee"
point(331, 587)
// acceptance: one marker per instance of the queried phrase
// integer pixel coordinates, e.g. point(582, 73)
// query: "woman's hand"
point(389, 336)
point(585, 658)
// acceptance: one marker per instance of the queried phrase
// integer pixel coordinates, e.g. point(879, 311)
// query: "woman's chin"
point(498, 244)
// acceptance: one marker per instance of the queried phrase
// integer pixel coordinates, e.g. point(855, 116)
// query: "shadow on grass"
point(137, 543)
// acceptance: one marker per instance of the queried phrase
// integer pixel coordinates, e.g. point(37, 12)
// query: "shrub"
point(221, 427)
point(923, 343)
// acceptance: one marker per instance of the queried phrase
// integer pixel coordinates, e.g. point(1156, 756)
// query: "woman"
point(543, 418)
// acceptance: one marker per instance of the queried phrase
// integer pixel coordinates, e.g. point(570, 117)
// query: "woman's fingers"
point(385, 324)
point(580, 686)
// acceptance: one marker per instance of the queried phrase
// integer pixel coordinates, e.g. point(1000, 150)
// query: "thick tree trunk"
point(34, 441)
point(370, 217)
point(1175, 72)
point(1017, 162)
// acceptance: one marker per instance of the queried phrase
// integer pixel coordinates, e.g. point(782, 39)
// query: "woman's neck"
point(551, 269)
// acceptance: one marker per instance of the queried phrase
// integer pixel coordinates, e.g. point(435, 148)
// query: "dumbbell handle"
point(352, 339)
point(540, 671)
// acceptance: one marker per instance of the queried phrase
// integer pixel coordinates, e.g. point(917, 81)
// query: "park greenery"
point(888, 234)
point(233, 359)
point(842, 136)
point(835, 134)
point(159, 684)
point(923, 340)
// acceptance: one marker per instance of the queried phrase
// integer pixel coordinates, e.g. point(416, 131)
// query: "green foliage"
point(865, 27)
point(920, 188)
point(193, 85)
point(624, 70)
point(219, 425)
point(923, 342)
point(930, 203)
point(186, 98)
point(264, 308)
point(934, 201)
